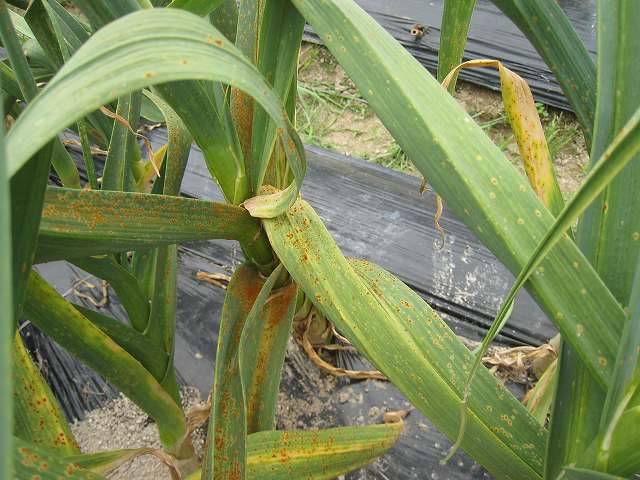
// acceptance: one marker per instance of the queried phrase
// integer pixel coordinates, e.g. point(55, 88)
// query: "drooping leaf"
point(315, 455)
point(104, 463)
point(548, 28)
point(37, 415)
point(394, 328)
point(37, 463)
point(527, 128)
point(79, 223)
point(50, 312)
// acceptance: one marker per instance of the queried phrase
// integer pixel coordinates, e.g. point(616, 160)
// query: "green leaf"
point(179, 146)
point(456, 18)
point(190, 101)
point(162, 318)
point(37, 463)
point(62, 162)
point(126, 286)
point(37, 415)
point(322, 454)
point(118, 167)
point(572, 473)
point(315, 455)
point(476, 180)
point(575, 413)
point(225, 456)
point(67, 326)
point(263, 345)
point(547, 27)
point(125, 57)
point(609, 233)
point(394, 327)
point(150, 355)
point(199, 7)
point(7, 306)
point(280, 34)
point(78, 223)
point(613, 161)
point(225, 18)
point(42, 28)
point(104, 463)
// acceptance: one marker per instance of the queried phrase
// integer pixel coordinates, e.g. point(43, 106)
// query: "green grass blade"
point(394, 328)
point(315, 455)
point(67, 326)
point(126, 286)
point(36, 463)
point(547, 27)
point(124, 57)
point(199, 7)
point(456, 17)
point(471, 174)
point(7, 306)
point(262, 350)
point(37, 415)
point(78, 224)
point(609, 233)
point(150, 355)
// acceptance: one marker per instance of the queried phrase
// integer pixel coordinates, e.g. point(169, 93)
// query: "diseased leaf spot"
point(579, 329)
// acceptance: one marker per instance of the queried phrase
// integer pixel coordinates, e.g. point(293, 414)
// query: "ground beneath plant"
point(333, 115)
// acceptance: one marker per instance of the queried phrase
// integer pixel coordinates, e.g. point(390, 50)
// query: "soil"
point(333, 115)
